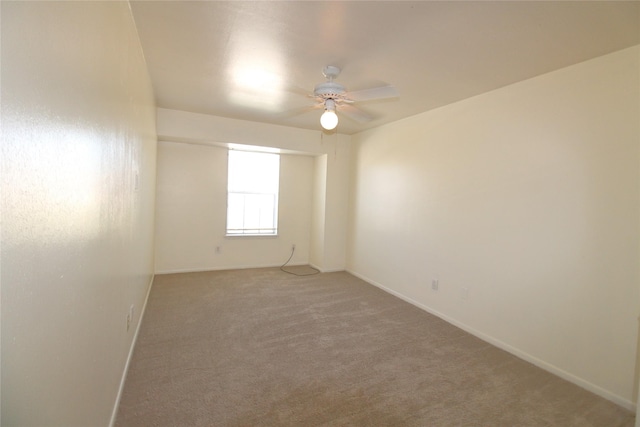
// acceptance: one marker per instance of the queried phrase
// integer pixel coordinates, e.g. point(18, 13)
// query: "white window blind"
point(252, 196)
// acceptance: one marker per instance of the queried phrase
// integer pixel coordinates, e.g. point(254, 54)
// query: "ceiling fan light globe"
point(329, 120)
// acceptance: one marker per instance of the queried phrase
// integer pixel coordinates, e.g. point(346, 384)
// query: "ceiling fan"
point(332, 96)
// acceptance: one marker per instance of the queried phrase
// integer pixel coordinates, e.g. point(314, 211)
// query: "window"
point(252, 193)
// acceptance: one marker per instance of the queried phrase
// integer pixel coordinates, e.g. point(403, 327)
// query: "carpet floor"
point(261, 347)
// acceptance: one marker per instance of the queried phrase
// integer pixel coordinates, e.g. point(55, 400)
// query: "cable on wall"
point(293, 249)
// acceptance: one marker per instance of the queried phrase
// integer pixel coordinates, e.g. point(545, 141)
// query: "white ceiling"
point(251, 60)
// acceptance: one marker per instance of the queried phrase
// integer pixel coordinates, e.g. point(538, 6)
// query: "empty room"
point(320, 213)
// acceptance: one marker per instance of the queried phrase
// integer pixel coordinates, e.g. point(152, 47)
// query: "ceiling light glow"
point(255, 72)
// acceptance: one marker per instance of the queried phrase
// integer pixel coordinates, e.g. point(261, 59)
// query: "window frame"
point(248, 231)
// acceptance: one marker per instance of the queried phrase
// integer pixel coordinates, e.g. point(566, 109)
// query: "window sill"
point(251, 235)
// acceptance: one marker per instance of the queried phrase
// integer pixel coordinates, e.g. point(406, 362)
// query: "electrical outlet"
point(435, 284)
point(129, 317)
point(464, 293)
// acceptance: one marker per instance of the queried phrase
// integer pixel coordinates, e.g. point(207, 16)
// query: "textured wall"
point(78, 179)
point(524, 203)
point(192, 212)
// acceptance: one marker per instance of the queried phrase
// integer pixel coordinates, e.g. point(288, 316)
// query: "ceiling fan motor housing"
point(329, 90)
point(331, 72)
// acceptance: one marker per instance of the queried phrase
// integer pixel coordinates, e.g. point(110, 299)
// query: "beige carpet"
point(265, 348)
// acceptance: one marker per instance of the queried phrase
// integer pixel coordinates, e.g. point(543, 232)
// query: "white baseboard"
point(330, 270)
point(244, 267)
point(312, 265)
point(627, 404)
point(226, 267)
point(114, 413)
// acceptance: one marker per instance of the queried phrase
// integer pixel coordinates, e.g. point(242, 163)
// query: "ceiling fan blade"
point(300, 110)
point(373, 93)
point(355, 113)
point(297, 90)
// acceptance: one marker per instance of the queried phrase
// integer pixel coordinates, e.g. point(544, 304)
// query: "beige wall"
point(316, 252)
point(321, 227)
point(331, 202)
point(337, 204)
point(191, 212)
point(78, 178)
point(524, 203)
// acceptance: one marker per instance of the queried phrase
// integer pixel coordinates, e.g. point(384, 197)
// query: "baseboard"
point(226, 267)
point(114, 413)
point(322, 270)
point(627, 404)
point(312, 265)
